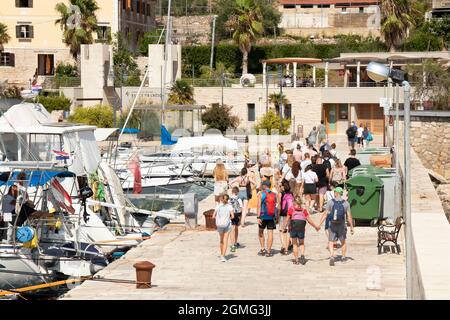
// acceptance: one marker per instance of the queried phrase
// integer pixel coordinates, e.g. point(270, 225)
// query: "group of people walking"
point(286, 190)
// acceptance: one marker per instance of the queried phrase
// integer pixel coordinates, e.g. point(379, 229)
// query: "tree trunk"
point(245, 62)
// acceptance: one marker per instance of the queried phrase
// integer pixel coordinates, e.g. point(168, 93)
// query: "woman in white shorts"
point(220, 180)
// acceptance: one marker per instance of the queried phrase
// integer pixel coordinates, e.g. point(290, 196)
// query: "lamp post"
point(267, 88)
point(379, 72)
point(280, 105)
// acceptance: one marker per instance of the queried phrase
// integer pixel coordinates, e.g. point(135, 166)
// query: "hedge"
point(230, 55)
point(55, 103)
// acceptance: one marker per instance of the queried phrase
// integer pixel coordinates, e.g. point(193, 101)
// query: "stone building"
point(36, 45)
point(327, 18)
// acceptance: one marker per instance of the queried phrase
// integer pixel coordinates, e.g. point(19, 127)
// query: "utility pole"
point(267, 89)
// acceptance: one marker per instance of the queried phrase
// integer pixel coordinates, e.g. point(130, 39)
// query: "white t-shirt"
point(309, 177)
point(334, 153)
point(329, 195)
point(359, 132)
point(304, 164)
point(290, 176)
point(223, 212)
point(285, 169)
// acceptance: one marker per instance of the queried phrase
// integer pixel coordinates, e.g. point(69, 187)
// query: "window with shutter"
point(7, 59)
point(12, 60)
point(24, 3)
point(24, 31)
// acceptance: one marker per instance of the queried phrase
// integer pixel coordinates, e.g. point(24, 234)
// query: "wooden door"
point(370, 115)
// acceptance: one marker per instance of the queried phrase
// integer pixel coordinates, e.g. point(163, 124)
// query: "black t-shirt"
point(351, 163)
point(321, 171)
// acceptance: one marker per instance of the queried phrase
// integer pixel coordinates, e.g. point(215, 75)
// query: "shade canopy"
point(291, 60)
point(217, 142)
point(33, 178)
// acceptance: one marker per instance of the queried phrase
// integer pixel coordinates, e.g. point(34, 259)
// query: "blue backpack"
point(338, 212)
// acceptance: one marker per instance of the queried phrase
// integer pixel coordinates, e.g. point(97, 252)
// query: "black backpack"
point(351, 133)
point(327, 163)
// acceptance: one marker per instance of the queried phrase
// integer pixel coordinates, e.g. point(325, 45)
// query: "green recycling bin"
point(365, 194)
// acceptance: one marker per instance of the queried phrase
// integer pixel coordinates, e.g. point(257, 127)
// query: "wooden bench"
point(389, 233)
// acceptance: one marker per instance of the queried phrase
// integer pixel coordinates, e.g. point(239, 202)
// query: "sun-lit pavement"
point(188, 267)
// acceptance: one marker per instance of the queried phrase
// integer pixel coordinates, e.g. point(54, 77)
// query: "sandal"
point(296, 261)
point(262, 252)
point(269, 254)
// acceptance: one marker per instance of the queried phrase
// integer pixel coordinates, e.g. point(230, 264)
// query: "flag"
point(36, 87)
point(135, 167)
point(61, 155)
point(60, 196)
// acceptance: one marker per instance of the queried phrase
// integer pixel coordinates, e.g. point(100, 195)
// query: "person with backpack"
point(223, 215)
point(294, 174)
point(351, 162)
point(351, 135)
point(267, 217)
point(338, 174)
point(286, 200)
point(338, 213)
point(333, 151)
point(237, 205)
point(367, 135)
point(328, 160)
point(296, 219)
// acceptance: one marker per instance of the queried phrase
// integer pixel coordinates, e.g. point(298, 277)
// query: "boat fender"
point(25, 234)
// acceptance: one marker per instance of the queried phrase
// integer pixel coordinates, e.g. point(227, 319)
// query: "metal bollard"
point(143, 274)
point(190, 201)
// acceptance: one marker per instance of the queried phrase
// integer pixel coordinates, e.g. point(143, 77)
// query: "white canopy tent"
point(216, 142)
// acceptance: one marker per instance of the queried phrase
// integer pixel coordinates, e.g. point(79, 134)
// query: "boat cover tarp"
point(38, 177)
point(166, 137)
point(131, 130)
point(101, 134)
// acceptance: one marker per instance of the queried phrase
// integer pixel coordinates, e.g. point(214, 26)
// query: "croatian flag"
point(36, 88)
point(61, 155)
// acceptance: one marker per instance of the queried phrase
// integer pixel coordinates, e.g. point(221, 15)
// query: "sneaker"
point(302, 260)
point(233, 248)
point(344, 259)
point(290, 247)
point(332, 261)
point(237, 245)
point(223, 259)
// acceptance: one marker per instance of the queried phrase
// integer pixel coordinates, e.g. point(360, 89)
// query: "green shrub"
point(55, 103)
point(271, 121)
point(98, 115)
point(220, 117)
point(67, 70)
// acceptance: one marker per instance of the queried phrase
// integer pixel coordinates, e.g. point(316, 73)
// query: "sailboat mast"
point(166, 57)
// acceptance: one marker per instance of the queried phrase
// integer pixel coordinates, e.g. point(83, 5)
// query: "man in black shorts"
point(267, 215)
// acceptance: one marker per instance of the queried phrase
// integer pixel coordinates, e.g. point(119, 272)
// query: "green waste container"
point(365, 194)
point(389, 178)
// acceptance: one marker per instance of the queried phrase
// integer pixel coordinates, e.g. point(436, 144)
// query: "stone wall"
point(430, 138)
point(190, 29)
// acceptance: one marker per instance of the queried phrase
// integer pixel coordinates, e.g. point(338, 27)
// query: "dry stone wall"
point(430, 138)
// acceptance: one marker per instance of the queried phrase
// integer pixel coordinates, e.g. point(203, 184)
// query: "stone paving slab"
point(188, 267)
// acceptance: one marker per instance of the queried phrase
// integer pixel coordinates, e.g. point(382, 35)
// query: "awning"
point(33, 178)
point(101, 134)
point(291, 60)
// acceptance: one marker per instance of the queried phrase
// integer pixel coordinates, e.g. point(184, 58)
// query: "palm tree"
point(4, 36)
point(246, 25)
point(77, 26)
point(396, 20)
point(276, 99)
point(181, 93)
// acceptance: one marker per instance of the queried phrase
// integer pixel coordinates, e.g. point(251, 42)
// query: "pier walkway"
point(188, 267)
